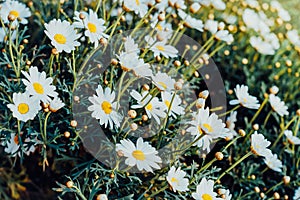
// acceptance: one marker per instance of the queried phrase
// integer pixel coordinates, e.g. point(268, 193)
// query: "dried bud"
point(73, 123)
point(67, 134)
point(286, 180)
point(70, 184)
point(242, 132)
point(219, 156)
point(178, 86)
point(132, 114)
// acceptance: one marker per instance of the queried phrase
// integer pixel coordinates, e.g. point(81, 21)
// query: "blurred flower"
point(255, 21)
point(177, 181)
point(15, 8)
point(153, 107)
point(291, 138)
point(13, 145)
point(282, 13)
point(278, 105)
point(262, 46)
point(62, 35)
point(205, 191)
point(225, 36)
point(131, 46)
point(252, 3)
point(175, 108)
point(217, 4)
point(138, 6)
point(24, 108)
point(244, 98)
point(190, 21)
point(293, 37)
point(230, 124)
point(143, 155)
point(163, 81)
point(297, 194)
point(211, 26)
point(38, 85)
point(259, 145)
point(94, 26)
point(56, 104)
point(225, 194)
point(209, 126)
point(273, 162)
point(104, 108)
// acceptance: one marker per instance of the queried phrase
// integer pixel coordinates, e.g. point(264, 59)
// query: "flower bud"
point(178, 86)
point(274, 90)
point(219, 156)
point(67, 134)
point(204, 94)
point(102, 197)
point(132, 114)
point(73, 123)
point(133, 126)
point(70, 184)
point(286, 180)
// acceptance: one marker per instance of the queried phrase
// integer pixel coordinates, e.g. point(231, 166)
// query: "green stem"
point(120, 86)
point(278, 184)
point(282, 131)
point(259, 110)
point(233, 109)
point(159, 191)
point(267, 118)
point(234, 165)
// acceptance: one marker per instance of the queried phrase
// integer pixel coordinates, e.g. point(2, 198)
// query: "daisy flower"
point(175, 108)
point(278, 105)
point(177, 181)
point(293, 37)
point(104, 108)
point(225, 194)
point(15, 8)
point(143, 155)
point(138, 6)
point(262, 46)
point(190, 21)
point(291, 138)
point(13, 146)
point(259, 145)
point(131, 46)
point(153, 107)
point(205, 191)
point(224, 35)
point(273, 162)
point(297, 194)
point(94, 26)
point(24, 108)
point(131, 61)
point(230, 124)
point(56, 104)
point(38, 85)
point(62, 35)
point(164, 49)
point(244, 98)
point(163, 81)
point(206, 124)
point(217, 4)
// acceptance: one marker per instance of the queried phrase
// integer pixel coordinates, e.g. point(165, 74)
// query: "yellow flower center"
point(163, 85)
point(106, 107)
point(137, 2)
point(159, 27)
point(207, 197)
point(59, 38)
point(38, 88)
point(200, 130)
point(208, 128)
point(23, 108)
point(92, 27)
point(149, 106)
point(167, 103)
point(161, 48)
point(139, 155)
point(14, 13)
point(245, 100)
point(16, 139)
point(174, 180)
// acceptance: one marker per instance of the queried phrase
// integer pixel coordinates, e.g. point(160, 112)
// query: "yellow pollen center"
point(106, 107)
point(207, 197)
point(59, 38)
point(38, 88)
point(139, 155)
point(23, 108)
point(167, 103)
point(149, 106)
point(173, 179)
point(14, 13)
point(159, 27)
point(161, 48)
point(208, 128)
point(92, 27)
point(137, 2)
point(16, 139)
point(245, 100)
point(163, 85)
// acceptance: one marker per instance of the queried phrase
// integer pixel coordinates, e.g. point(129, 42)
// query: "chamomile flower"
point(62, 34)
point(143, 155)
point(13, 146)
point(244, 98)
point(130, 46)
point(153, 107)
point(291, 138)
point(230, 124)
point(256, 21)
point(278, 105)
point(259, 145)
point(297, 194)
point(205, 191)
point(177, 181)
point(172, 102)
point(190, 21)
point(225, 194)
point(131, 61)
point(163, 81)
point(15, 8)
point(56, 104)
point(262, 46)
point(225, 36)
point(94, 26)
point(273, 162)
point(104, 108)
point(24, 108)
point(38, 85)
point(161, 48)
point(206, 124)
point(138, 6)
point(293, 37)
